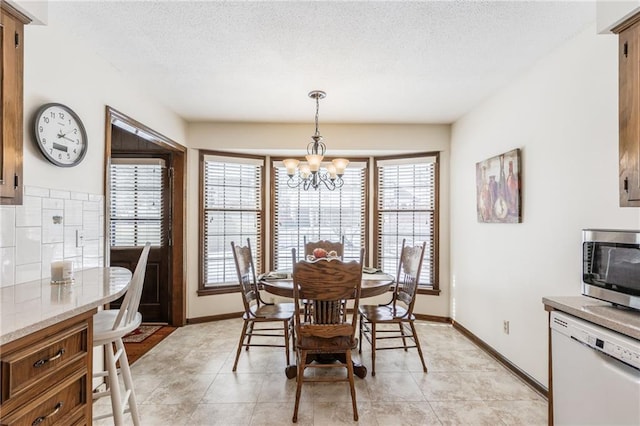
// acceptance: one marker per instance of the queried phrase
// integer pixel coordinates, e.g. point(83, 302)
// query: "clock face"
point(60, 135)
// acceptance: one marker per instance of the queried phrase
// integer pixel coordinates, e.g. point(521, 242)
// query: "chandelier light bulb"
point(291, 164)
point(304, 170)
point(332, 171)
point(340, 165)
point(314, 161)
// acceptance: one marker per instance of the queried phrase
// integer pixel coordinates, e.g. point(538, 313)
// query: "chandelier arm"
point(294, 183)
point(316, 146)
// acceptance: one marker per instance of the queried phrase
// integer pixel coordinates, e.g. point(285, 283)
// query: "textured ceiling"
point(389, 62)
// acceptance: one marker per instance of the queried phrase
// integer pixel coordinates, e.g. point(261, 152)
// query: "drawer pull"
point(39, 363)
point(53, 413)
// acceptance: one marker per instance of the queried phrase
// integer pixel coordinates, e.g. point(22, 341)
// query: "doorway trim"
point(177, 285)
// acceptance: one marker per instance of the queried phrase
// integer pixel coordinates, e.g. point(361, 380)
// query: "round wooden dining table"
point(372, 285)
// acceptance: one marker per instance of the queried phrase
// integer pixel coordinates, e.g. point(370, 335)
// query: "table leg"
point(291, 371)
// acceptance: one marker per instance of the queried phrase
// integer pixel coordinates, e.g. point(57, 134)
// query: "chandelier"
point(314, 173)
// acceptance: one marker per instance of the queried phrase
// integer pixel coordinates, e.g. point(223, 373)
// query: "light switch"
point(79, 238)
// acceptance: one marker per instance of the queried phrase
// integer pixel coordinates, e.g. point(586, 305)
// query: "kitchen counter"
point(32, 306)
point(623, 320)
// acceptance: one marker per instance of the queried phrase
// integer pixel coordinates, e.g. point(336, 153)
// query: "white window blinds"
point(232, 202)
point(318, 214)
point(137, 202)
point(406, 205)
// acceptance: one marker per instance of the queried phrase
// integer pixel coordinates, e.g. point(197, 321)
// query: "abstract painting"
point(498, 188)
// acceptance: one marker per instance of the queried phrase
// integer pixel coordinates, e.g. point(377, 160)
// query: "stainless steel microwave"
point(611, 266)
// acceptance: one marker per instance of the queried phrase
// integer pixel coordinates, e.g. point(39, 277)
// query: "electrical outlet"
point(79, 238)
point(505, 326)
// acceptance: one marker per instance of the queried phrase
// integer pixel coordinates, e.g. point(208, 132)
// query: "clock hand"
point(67, 138)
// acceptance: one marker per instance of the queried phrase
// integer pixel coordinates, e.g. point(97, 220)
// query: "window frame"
point(422, 289)
point(259, 258)
point(366, 217)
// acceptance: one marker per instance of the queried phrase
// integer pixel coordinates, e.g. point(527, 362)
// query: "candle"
point(62, 271)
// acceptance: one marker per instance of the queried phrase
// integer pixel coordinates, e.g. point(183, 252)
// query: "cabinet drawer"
point(25, 367)
point(63, 404)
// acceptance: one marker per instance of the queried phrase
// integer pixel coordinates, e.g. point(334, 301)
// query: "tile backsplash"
point(50, 225)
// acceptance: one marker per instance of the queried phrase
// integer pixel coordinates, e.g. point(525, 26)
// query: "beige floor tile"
point(389, 387)
point(279, 413)
point(277, 388)
point(410, 413)
point(180, 389)
point(473, 359)
point(501, 385)
point(341, 413)
point(448, 386)
point(166, 414)
point(234, 387)
point(465, 413)
point(336, 391)
point(530, 413)
point(258, 360)
point(228, 414)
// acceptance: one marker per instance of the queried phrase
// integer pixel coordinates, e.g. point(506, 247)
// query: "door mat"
point(139, 334)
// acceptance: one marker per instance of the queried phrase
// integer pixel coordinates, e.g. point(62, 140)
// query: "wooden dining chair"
point(329, 329)
point(328, 246)
point(257, 311)
point(337, 246)
point(398, 311)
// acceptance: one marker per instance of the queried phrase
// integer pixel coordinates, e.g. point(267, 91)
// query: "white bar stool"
point(109, 327)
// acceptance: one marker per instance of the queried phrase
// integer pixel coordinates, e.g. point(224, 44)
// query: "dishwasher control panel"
point(611, 343)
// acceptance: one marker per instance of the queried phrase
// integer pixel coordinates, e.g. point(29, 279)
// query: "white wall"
point(562, 114)
point(341, 139)
point(610, 13)
point(59, 68)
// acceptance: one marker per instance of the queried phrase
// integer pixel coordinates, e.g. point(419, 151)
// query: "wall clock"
point(60, 134)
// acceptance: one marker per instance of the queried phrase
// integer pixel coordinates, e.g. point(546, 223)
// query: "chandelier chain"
point(317, 114)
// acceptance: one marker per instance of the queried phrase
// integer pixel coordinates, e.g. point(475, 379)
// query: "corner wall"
point(562, 114)
point(60, 68)
point(362, 140)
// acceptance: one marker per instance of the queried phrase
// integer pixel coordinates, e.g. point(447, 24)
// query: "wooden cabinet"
point(11, 103)
point(46, 376)
point(629, 111)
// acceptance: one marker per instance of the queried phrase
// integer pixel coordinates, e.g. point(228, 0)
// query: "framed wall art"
point(498, 189)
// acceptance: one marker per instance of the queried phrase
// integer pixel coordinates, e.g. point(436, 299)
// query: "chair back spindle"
point(131, 302)
point(246, 275)
point(408, 275)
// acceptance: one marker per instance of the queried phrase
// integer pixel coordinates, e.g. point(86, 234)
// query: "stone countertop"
point(623, 320)
point(32, 306)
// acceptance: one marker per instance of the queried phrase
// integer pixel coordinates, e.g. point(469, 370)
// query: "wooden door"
point(140, 212)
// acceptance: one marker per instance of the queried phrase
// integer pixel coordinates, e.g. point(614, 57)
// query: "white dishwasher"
point(596, 374)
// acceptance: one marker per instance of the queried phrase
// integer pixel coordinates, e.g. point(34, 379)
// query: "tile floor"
point(187, 380)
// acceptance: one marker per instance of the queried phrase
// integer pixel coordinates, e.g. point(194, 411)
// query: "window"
point(137, 202)
point(406, 208)
point(231, 209)
point(318, 214)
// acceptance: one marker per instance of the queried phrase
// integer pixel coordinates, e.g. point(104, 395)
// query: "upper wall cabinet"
point(629, 111)
point(12, 45)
